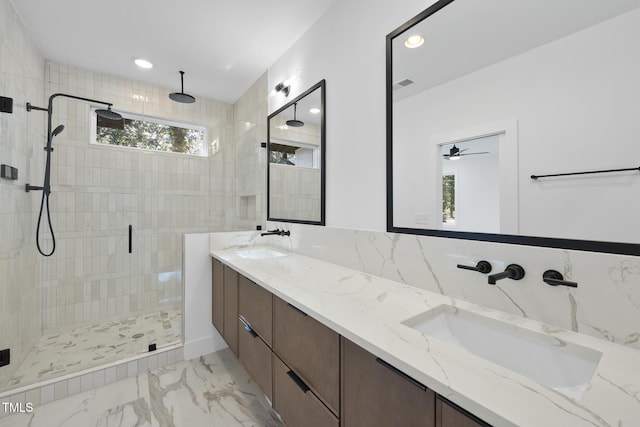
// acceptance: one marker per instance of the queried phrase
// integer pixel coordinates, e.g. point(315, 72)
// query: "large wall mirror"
point(296, 150)
point(486, 99)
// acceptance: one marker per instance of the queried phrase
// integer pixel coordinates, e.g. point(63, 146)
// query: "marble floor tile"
point(72, 350)
point(213, 390)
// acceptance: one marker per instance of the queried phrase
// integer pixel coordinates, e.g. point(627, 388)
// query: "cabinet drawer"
point(375, 394)
point(255, 304)
point(296, 406)
point(310, 349)
point(450, 415)
point(217, 291)
point(255, 356)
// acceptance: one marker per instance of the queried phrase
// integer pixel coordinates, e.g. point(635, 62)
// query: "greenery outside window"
point(449, 198)
point(149, 133)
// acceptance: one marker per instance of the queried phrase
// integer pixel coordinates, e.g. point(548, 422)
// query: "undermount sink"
point(260, 253)
point(562, 366)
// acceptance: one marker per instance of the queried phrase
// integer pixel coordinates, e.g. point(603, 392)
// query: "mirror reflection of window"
point(295, 152)
point(471, 184)
point(448, 200)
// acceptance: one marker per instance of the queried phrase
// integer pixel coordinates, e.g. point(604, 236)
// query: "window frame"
point(93, 130)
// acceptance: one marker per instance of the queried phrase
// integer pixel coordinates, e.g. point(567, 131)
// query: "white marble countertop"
point(368, 310)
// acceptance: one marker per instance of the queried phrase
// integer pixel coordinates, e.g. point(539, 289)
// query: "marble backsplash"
point(606, 303)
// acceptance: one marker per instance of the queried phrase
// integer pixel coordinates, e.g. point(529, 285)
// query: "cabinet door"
point(295, 403)
point(373, 394)
point(217, 291)
point(310, 349)
point(255, 356)
point(231, 308)
point(255, 305)
point(450, 415)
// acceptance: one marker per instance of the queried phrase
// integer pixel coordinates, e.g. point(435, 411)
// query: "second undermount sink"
point(562, 366)
point(260, 253)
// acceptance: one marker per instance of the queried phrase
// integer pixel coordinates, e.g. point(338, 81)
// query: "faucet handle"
point(555, 278)
point(483, 267)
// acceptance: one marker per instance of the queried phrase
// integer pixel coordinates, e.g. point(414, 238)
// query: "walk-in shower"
point(46, 187)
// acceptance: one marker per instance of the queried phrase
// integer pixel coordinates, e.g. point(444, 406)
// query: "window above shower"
point(149, 133)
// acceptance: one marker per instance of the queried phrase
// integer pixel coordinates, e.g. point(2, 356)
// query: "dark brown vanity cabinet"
point(231, 308)
point(217, 291)
point(450, 415)
point(376, 394)
point(224, 290)
point(295, 403)
point(312, 375)
point(255, 306)
point(311, 352)
point(255, 320)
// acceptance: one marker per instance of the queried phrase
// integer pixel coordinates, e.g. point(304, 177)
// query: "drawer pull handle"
point(297, 309)
point(401, 374)
point(247, 326)
point(296, 379)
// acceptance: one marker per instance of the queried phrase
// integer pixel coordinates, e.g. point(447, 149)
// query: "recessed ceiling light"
point(414, 41)
point(143, 63)
point(314, 110)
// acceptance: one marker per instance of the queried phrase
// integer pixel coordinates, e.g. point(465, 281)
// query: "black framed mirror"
point(541, 99)
point(296, 159)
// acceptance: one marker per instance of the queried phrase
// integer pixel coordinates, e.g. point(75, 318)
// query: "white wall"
point(200, 336)
point(347, 48)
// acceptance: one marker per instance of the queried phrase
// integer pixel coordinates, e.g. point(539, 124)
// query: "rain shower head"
point(57, 131)
point(295, 122)
point(181, 96)
point(108, 114)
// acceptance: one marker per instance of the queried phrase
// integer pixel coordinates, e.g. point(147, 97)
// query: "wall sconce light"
point(280, 87)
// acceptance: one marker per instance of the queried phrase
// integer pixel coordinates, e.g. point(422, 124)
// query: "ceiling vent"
point(402, 83)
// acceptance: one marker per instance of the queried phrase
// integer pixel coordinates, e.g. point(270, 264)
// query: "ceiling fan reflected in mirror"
point(455, 153)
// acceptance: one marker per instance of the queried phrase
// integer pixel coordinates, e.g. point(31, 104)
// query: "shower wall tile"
point(98, 191)
point(21, 140)
point(249, 179)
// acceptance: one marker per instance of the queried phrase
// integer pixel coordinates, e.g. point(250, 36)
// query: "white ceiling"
point(468, 35)
point(223, 46)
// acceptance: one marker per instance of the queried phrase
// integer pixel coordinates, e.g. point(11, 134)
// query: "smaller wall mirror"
point(296, 153)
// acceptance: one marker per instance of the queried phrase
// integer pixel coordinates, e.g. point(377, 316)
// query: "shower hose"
point(45, 195)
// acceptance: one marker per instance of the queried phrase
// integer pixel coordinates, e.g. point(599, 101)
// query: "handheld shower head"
point(57, 131)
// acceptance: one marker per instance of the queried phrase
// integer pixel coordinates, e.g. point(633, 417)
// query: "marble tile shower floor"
point(84, 347)
point(213, 390)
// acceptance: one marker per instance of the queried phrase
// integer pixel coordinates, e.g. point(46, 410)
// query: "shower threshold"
point(65, 352)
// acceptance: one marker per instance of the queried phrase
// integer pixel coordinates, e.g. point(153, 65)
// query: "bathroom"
point(165, 196)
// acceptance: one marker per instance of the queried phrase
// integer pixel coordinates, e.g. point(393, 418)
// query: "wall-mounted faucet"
point(513, 271)
point(555, 278)
point(483, 267)
point(276, 232)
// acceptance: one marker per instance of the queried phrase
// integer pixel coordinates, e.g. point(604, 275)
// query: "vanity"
point(332, 346)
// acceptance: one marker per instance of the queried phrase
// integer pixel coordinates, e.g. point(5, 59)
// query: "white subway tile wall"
point(99, 191)
point(21, 142)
